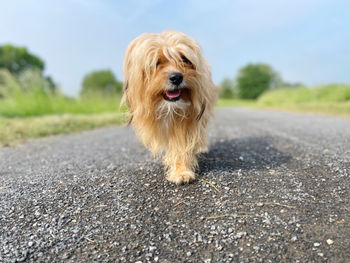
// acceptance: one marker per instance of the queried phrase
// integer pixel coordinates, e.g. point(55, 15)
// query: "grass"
point(334, 109)
point(13, 130)
point(38, 103)
point(235, 103)
point(302, 95)
point(330, 100)
point(36, 113)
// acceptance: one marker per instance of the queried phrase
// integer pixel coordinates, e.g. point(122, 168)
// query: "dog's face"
point(165, 75)
point(173, 75)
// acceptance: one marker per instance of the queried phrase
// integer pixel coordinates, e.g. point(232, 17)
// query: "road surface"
point(274, 188)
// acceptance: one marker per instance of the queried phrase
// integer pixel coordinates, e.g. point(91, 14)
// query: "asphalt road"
point(274, 188)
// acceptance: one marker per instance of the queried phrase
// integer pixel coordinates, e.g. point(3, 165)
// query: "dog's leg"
point(180, 173)
point(181, 155)
point(180, 167)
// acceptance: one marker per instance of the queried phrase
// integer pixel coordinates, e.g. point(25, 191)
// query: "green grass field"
point(329, 100)
point(13, 130)
point(38, 103)
point(35, 114)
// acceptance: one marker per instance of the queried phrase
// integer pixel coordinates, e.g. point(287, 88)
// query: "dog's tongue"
point(173, 94)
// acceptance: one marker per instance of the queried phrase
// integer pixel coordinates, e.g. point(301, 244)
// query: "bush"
point(227, 89)
point(33, 80)
point(254, 79)
point(29, 94)
point(102, 82)
point(8, 84)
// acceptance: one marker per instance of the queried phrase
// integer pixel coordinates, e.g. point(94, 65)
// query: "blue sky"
point(304, 40)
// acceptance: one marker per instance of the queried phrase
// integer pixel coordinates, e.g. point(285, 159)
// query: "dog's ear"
point(201, 112)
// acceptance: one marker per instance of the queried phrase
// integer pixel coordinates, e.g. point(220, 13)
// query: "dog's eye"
point(158, 63)
point(185, 60)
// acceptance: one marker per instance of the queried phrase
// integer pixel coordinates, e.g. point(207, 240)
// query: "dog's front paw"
point(181, 177)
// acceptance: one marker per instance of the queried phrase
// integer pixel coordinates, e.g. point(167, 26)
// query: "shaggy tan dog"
point(170, 96)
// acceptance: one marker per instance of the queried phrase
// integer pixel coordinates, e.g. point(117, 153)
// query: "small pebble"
point(240, 234)
point(316, 244)
point(330, 241)
point(151, 248)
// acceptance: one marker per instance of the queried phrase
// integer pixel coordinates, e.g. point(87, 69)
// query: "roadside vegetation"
point(14, 130)
point(32, 104)
point(259, 86)
point(329, 99)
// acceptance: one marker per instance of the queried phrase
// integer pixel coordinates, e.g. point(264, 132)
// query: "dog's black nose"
point(175, 78)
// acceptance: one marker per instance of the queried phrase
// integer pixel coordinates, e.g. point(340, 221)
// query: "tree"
point(254, 79)
point(18, 59)
point(101, 82)
point(226, 89)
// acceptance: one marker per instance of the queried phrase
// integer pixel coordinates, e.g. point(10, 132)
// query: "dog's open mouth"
point(172, 95)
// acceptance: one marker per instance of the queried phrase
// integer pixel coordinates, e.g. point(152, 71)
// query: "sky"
point(305, 41)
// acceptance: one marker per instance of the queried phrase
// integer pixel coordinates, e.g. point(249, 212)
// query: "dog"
point(170, 95)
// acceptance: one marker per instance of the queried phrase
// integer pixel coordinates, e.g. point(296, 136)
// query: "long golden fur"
point(175, 129)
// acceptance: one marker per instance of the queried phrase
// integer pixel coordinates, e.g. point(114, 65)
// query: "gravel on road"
point(274, 187)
